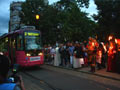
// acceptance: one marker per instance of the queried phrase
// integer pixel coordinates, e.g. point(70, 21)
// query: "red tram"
point(23, 47)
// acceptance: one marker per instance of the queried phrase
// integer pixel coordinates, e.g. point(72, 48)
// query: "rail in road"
point(52, 78)
point(40, 84)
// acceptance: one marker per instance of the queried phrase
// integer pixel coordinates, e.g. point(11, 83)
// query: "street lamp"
point(37, 17)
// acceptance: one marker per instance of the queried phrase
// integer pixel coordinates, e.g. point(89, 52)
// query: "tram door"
point(13, 49)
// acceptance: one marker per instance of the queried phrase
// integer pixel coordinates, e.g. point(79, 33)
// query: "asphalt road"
point(51, 78)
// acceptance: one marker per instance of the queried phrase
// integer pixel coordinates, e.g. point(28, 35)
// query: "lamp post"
point(37, 17)
point(58, 33)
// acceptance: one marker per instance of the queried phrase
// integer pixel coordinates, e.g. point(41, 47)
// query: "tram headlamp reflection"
point(28, 54)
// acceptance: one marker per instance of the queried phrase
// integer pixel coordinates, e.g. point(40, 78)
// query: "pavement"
point(101, 72)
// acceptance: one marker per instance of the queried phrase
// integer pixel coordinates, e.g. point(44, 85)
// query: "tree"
point(31, 8)
point(60, 21)
point(108, 17)
point(76, 26)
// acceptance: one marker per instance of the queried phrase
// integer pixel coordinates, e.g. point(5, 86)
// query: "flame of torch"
point(100, 53)
point(116, 41)
point(93, 44)
point(110, 37)
point(104, 47)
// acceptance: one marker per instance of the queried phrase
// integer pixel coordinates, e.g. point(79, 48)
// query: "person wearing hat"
point(5, 84)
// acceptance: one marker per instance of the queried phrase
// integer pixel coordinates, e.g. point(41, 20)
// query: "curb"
point(100, 75)
point(86, 72)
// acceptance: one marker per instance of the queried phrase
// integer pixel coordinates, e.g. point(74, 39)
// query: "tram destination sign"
point(31, 34)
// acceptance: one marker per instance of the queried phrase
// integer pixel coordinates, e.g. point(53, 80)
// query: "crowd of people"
point(91, 53)
point(77, 55)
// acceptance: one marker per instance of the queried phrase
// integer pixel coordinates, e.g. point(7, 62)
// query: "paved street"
point(52, 78)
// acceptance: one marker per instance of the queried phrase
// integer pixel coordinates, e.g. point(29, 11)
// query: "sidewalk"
point(101, 73)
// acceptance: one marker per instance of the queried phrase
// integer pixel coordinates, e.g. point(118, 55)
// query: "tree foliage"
point(61, 21)
point(108, 17)
point(76, 26)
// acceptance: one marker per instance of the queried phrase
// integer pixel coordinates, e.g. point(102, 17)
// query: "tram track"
point(47, 78)
point(40, 81)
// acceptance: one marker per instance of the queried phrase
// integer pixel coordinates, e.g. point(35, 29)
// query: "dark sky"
point(4, 13)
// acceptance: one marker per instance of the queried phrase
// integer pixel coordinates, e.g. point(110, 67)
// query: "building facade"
point(15, 8)
point(15, 21)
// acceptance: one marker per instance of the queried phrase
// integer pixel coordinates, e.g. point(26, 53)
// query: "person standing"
point(52, 53)
point(71, 52)
point(5, 83)
point(92, 48)
point(66, 55)
point(111, 62)
point(104, 54)
point(79, 54)
point(57, 57)
point(99, 57)
point(62, 54)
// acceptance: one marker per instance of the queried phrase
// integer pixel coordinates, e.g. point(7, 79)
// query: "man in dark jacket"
point(5, 84)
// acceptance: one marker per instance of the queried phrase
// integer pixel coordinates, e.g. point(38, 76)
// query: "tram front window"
point(32, 43)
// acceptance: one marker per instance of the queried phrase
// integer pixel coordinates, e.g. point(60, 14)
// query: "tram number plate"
point(34, 58)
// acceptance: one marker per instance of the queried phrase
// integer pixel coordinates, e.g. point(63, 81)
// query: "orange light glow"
point(104, 47)
point(116, 41)
point(100, 53)
point(93, 44)
point(111, 49)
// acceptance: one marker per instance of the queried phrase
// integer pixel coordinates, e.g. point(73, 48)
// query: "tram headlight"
point(1, 53)
point(40, 54)
point(28, 54)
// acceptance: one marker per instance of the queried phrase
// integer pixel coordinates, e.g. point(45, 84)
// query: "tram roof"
point(22, 30)
point(16, 31)
point(4, 35)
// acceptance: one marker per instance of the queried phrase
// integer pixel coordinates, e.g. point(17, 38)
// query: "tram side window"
point(4, 45)
point(19, 42)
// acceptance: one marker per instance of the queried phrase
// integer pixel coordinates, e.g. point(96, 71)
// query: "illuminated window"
point(19, 42)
